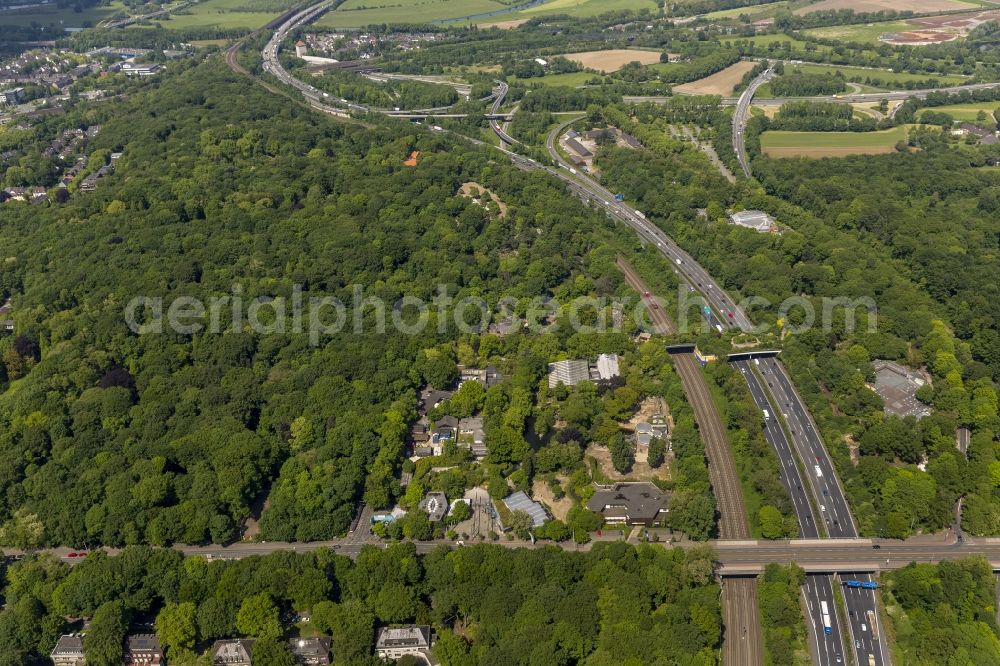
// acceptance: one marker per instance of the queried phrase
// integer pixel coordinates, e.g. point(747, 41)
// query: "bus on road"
point(827, 628)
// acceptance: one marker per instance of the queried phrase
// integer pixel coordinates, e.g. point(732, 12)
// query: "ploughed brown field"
point(613, 59)
point(720, 83)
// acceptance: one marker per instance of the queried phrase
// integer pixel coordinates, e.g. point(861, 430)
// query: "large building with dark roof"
point(630, 504)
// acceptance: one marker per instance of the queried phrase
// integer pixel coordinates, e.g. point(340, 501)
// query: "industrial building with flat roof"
point(754, 219)
point(519, 501)
point(898, 386)
point(573, 371)
point(569, 372)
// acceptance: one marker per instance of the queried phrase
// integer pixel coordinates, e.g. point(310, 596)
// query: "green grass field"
point(222, 14)
point(581, 8)
point(966, 112)
point(571, 79)
point(357, 13)
point(756, 11)
point(765, 40)
point(863, 32)
point(62, 18)
point(830, 144)
point(884, 75)
point(587, 7)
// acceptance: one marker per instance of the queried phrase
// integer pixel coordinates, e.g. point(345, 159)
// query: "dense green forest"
point(779, 598)
point(614, 605)
point(944, 613)
point(115, 438)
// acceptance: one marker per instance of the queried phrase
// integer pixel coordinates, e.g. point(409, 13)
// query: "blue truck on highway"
point(866, 584)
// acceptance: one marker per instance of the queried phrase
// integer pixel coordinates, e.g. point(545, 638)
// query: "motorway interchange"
point(807, 472)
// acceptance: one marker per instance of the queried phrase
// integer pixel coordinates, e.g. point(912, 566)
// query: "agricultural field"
point(358, 13)
point(864, 6)
point(61, 18)
point(780, 40)
point(830, 144)
point(505, 25)
point(911, 32)
point(755, 11)
point(225, 14)
point(571, 79)
point(580, 8)
point(612, 60)
point(862, 32)
point(885, 76)
point(966, 112)
point(720, 83)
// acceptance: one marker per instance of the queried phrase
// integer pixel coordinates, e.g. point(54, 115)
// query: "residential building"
point(630, 504)
point(607, 366)
point(435, 504)
point(570, 372)
point(311, 651)
point(397, 642)
point(418, 433)
point(520, 501)
point(756, 220)
point(645, 431)
point(472, 436)
point(445, 430)
point(487, 377)
point(388, 516)
point(12, 96)
point(68, 651)
point(492, 376)
point(233, 652)
point(143, 650)
point(430, 398)
point(300, 48)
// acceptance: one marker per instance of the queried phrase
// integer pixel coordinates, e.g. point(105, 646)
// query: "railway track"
point(743, 642)
point(661, 321)
point(721, 467)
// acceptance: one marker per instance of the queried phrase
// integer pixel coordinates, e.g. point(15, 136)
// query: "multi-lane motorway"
point(828, 493)
point(827, 648)
point(823, 492)
point(805, 441)
point(740, 118)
